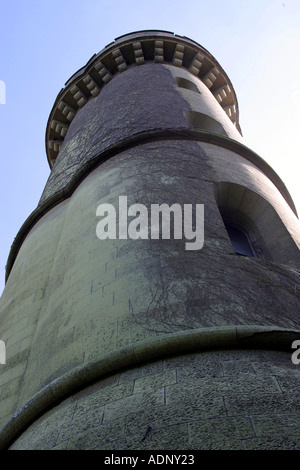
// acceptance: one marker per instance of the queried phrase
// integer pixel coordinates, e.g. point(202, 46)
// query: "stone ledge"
point(205, 339)
point(141, 138)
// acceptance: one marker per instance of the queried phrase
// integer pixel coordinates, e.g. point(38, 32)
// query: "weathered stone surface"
point(182, 405)
point(72, 300)
point(138, 100)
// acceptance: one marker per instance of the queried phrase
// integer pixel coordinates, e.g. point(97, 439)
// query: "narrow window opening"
point(204, 122)
point(267, 237)
point(239, 240)
point(184, 83)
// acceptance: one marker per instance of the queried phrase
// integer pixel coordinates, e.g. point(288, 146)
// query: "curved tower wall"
point(141, 343)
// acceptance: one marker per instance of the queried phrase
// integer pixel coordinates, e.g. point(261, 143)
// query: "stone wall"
point(155, 134)
point(218, 400)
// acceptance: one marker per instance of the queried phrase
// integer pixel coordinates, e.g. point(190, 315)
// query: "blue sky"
point(43, 42)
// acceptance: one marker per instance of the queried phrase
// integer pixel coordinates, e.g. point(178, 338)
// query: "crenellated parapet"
point(131, 50)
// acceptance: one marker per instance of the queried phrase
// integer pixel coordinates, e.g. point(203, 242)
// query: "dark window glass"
point(239, 241)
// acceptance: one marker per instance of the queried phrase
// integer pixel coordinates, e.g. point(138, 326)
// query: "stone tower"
point(124, 343)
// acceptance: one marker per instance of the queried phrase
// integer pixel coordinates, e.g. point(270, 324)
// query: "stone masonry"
point(140, 344)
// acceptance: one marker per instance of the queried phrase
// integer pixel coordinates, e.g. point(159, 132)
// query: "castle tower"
point(151, 343)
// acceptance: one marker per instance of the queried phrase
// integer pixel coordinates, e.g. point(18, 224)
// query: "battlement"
point(130, 50)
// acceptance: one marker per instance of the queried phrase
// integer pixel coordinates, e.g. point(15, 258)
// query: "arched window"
point(253, 226)
point(239, 240)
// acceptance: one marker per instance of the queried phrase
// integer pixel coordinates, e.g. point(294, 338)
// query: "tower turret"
point(133, 339)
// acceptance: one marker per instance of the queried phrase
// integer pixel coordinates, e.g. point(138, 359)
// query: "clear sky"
point(43, 42)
